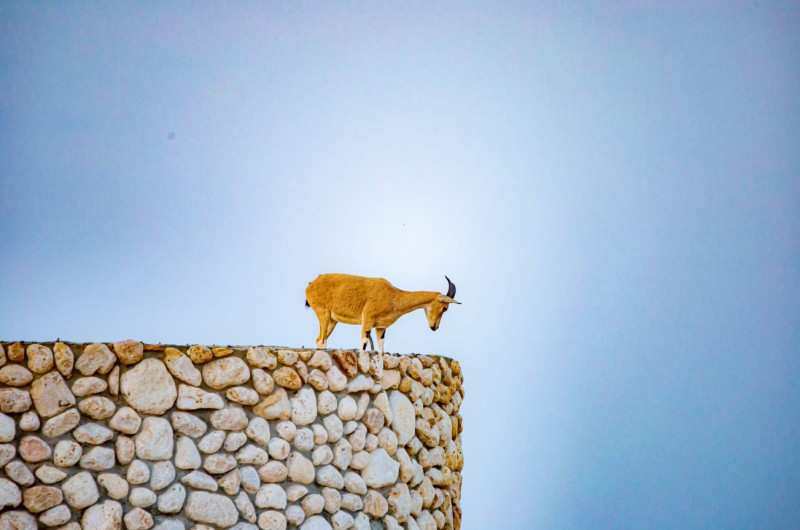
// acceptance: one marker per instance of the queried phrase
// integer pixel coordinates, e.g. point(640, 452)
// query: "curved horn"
point(451, 288)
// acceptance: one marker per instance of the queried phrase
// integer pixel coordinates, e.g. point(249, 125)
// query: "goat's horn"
point(451, 288)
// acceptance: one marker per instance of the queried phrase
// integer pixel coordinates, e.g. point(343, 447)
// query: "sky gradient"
point(613, 188)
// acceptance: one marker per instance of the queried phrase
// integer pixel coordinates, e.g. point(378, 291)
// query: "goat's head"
point(436, 308)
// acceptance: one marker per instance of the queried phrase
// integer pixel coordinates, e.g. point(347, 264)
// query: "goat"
point(370, 302)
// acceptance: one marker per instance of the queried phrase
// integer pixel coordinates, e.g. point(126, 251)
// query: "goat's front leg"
point(365, 335)
point(380, 333)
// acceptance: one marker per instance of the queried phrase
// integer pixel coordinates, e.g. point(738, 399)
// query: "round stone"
point(225, 372)
point(40, 359)
point(148, 387)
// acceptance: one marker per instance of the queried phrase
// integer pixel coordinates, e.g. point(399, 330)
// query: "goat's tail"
point(307, 304)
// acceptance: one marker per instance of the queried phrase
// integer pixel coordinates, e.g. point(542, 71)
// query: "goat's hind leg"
point(325, 328)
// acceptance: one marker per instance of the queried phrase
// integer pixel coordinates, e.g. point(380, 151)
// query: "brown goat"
point(370, 302)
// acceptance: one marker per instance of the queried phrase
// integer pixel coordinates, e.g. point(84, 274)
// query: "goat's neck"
point(409, 301)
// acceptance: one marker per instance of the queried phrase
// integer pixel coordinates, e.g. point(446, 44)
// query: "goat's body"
point(368, 302)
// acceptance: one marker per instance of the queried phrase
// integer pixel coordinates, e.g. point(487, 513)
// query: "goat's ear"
point(443, 298)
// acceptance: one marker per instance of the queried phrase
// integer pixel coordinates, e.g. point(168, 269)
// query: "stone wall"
point(131, 435)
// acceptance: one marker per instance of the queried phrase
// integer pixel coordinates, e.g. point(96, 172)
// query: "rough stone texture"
point(227, 437)
point(148, 387)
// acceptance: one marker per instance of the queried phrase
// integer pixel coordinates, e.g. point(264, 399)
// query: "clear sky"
point(614, 187)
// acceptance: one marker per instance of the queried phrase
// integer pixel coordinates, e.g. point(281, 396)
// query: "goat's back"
point(345, 294)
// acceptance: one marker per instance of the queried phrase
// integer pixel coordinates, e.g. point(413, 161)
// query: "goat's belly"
point(346, 319)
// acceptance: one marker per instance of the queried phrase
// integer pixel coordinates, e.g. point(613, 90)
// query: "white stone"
point(56, 516)
point(258, 430)
point(9, 494)
point(286, 430)
point(225, 372)
point(330, 476)
point(29, 421)
point(80, 490)
point(271, 496)
point(342, 454)
point(155, 440)
point(278, 448)
point(64, 358)
point(229, 418)
point(361, 383)
point(148, 387)
point(105, 516)
point(141, 497)
point(95, 358)
point(186, 454)
point(333, 499)
point(294, 515)
point(97, 407)
point(40, 359)
point(19, 473)
point(337, 381)
point(210, 508)
point(354, 483)
point(403, 417)
point(245, 507)
point(170, 524)
point(218, 464)
point(199, 480)
point(400, 502)
point(316, 522)
point(322, 455)
point(182, 367)
point(92, 433)
point(260, 358)
point(273, 472)
point(250, 454)
point(242, 395)
point(303, 440)
point(333, 425)
point(193, 398)
point(326, 402)
point(62, 423)
point(7, 453)
point(300, 468)
point(230, 482)
point(49, 474)
point(212, 442)
point(98, 459)
point(188, 424)
point(138, 519)
point(275, 406)
point(271, 520)
point(15, 375)
point(250, 480)
point(341, 520)
point(313, 504)
point(381, 471)
point(138, 472)
point(304, 407)
point(171, 501)
point(125, 448)
point(87, 386)
point(67, 453)
point(8, 429)
point(262, 381)
point(234, 440)
point(126, 420)
point(162, 475)
point(347, 408)
point(352, 502)
point(115, 485)
point(296, 492)
point(51, 395)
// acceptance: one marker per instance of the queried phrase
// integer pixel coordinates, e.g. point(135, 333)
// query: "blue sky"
point(613, 187)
